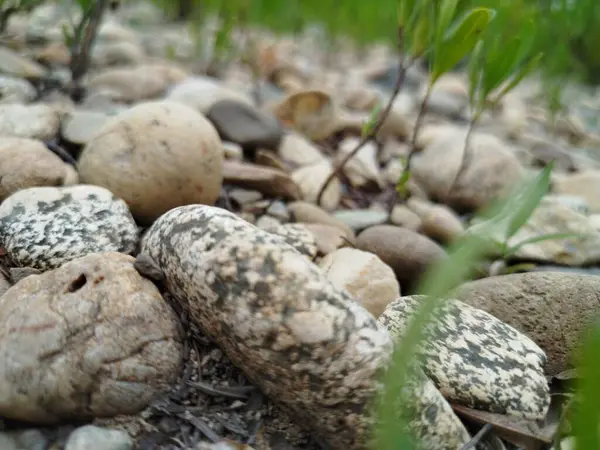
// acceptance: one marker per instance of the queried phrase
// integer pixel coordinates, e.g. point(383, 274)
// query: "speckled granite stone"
point(44, 227)
point(476, 360)
point(298, 236)
point(306, 344)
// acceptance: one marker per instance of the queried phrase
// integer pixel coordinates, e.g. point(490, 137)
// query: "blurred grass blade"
point(586, 417)
point(519, 76)
point(526, 203)
point(460, 41)
point(446, 14)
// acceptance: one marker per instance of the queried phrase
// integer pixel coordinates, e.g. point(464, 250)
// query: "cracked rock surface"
point(44, 227)
point(102, 342)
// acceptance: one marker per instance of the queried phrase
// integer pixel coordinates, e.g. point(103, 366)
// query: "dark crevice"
point(77, 284)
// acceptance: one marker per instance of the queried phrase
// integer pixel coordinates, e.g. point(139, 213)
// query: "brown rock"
point(309, 213)
point(404, 217)
point(583, 184)
point(26, 163)
point(551, 308)
point(408, 253)
point(438, 221)
point(267, 180)
point(90, 339)
point(156, 156)
point(328, 237)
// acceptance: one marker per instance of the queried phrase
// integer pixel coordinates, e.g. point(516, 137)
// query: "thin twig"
point(238, 392)
point(403, 68)
point(413, 143)
point(201, 426)
point(478, 437)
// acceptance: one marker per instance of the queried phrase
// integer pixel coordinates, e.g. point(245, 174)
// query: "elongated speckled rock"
point(306, 344)
point(476, 360)
point(45, 227)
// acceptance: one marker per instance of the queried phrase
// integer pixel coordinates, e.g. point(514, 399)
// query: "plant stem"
point(413, 143)
point(403, 68)
point(83, 42)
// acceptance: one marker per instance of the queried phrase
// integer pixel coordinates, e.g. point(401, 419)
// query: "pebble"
point(92, 338)
point(29, 121)
point(91, 437)
point(266, 180)
point(44, 227)
point(81, 126)
point(311, 178)
point(15, 90)
point(476, 360)
point(359, 219)
point(156, 156)
point(12, 63)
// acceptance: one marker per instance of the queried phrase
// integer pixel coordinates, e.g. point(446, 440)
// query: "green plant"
point(80, 38)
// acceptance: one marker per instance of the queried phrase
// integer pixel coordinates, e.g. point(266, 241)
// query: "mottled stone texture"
point(477, 360)
point(306, 344)
point(303, 342)
point(298, 236)
point(44, 227)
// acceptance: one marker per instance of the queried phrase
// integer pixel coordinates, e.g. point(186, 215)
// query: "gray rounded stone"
point(90, 436)
point(44, 227)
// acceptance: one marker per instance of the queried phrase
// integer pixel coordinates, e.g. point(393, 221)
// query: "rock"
point(465, 182)
point(364, 276)
point(279, 210)
point(574, 202)
point(328, 237)
point(309, 112)
point(437, 221)
point(120, 53)
point(405, 217)
point(233, 152)
point(90, 436)
point(296, 235)
point(222, 445)
point(449, 96)
point(408, 253)
point(15, 90)
point(299, 151)
point(35, 122)
point(26, 163)
point(243, 124)
point(266, 180)
point(156, 156)
point(306, 212)
point(308, 329)
point(90, 339)
point(551, 308)
point(4, 286)
point(242, 197)
point(311, 178)
point(8, 443)
point(81, 126)
point(44, 227)
point(359, 219)
point(552, 217)
point(584, 184)
point(134, 84)
point(476, 360)
point(362, 168)
point(201, 93)
point(11, 63)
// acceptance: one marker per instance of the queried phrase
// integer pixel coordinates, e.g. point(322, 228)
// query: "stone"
point(311, 178)
point(201, 93)
point(408, 253)
point(476, 360)
point(44, 227)
point(438, 222)
point(156, 156)
point(404, 217)
point(81, 126)
point(296, 235)
point(134, 84)
point(296, 345)
point(12, 63)
point(359, 219)
point(29, 121)
point(362, 169)
point(552, 308)
point(266, 180)
point(90, 436)
point(26, 163)
point(311, 113)
point(298, 151)
point(119, 53)
point(92, 338)
point(584, 184)
point(470, 181)
point(245, 125)
point(328, 237)
point(449, 96)
point(306, 212)
point(15, 90)
point(551, 217)
point(370, 281)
